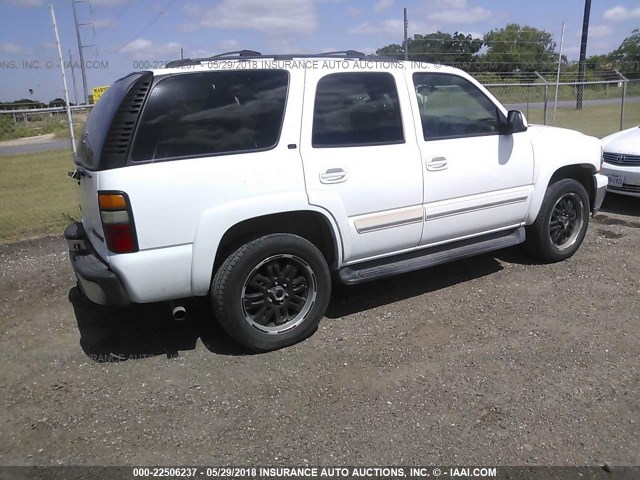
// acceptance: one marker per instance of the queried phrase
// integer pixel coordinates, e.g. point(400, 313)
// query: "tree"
point(57, 102)
point(394, 51)
point(629, 50)
point(438, 47)
point(22, 103)
point(519, 48)
point(627, 55)
point(596, 63)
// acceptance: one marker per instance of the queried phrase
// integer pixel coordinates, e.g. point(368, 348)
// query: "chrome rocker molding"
point(388, 219)
point(420, 259)
point(460, 211)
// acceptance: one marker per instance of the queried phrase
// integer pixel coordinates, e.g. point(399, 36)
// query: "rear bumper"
point(95, 279)
point(600, 185)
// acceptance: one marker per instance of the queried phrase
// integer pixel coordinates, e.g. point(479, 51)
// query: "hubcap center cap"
point(278, 293)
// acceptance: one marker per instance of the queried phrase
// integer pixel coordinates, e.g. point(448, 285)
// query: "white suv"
point(253, 179)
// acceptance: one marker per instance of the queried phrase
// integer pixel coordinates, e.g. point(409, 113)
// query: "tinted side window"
point(354, 109)
point(451, 106)
point(212, 113)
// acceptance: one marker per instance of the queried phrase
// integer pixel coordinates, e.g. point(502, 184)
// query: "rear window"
point(212, 113)
point(99, 121)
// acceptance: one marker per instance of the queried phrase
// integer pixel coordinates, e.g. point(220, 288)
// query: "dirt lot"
point(493, 360)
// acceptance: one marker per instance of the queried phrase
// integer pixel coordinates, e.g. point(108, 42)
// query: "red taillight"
point(117, 222)
point(120, 238)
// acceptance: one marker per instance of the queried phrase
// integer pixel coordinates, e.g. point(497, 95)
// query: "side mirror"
point(516, 123)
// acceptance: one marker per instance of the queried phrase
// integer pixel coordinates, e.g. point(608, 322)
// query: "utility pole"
point(555, 103)
point(406, 31)
point(583, 53)
point(64, 80)
point(81, 48)
point(73, 77)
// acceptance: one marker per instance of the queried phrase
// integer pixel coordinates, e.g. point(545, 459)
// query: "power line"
point(127, 5)
point(119, 14)
point(147, 26)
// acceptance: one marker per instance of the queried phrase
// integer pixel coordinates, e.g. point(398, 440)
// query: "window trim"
point(501, 117)
point(355, 145)
point(161, 78)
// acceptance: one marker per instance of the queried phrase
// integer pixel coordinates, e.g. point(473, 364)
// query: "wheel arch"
point(581, 172)
point(308, 224)
point(216, 238)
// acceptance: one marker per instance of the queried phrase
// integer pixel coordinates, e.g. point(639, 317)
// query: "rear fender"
point(216, 221)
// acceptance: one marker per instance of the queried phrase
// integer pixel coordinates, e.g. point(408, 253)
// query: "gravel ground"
point(493, 360)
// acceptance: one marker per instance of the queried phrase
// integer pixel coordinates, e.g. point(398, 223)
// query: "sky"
point(128, 35)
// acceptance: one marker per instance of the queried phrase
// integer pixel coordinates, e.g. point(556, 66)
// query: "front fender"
point(557, 148)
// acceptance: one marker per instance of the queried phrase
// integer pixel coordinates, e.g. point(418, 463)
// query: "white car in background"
point(622, 161)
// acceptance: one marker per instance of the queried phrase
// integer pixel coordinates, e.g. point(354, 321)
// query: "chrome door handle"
point(436, 164)
point(333, 175)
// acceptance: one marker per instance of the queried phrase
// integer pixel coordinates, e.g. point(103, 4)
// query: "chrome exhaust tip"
point(178, 312)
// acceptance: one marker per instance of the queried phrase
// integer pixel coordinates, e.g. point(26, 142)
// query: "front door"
point(476, 180)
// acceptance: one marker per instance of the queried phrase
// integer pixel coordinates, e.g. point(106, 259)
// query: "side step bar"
point(430, 257)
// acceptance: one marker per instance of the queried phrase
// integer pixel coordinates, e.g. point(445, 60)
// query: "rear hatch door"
point(104, 145)
point(91, 221)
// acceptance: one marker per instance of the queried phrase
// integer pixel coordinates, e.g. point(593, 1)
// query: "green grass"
point(64, 133)
point(599, 121)
point(38, 125)
point(13, 132)
point(36, 195)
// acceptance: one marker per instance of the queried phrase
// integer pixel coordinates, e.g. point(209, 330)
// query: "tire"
point(562, 222)
point(271, 292)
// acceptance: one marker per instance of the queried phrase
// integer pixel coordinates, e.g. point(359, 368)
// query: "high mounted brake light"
point(117, 222)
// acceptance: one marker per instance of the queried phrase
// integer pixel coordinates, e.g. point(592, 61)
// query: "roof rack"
point(343, 53)
point(251, 54)
point(356, 54)
point(240, 54)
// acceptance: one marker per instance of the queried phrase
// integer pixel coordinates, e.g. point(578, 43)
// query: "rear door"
point(361, 160)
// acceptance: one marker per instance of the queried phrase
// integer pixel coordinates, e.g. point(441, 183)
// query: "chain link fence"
point(595, 107)
point(37, 197)
point(49, 122)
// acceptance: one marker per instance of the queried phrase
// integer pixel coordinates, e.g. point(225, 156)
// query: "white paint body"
point(623, 144)
point(390, 201)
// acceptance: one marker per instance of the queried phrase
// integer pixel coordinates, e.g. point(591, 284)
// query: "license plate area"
point(616, 181)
